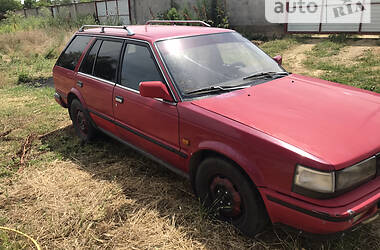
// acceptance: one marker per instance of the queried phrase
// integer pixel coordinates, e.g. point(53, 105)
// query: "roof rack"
point(124, 27)
point(173, 22)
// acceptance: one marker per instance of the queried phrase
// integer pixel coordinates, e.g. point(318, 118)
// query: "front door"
point(150, 124)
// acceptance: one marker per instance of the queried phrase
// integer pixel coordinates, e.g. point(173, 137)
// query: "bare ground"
point(354, 50)
point(294, 57)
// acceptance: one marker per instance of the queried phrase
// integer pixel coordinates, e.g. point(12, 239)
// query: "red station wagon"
point(258, 143)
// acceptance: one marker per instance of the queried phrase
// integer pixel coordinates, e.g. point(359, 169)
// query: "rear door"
point(150, 124)
point(97, 77)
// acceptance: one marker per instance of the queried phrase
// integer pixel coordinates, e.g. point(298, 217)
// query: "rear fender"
point(77, 95)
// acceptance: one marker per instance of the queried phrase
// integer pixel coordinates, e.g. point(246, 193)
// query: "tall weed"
point(14, 22)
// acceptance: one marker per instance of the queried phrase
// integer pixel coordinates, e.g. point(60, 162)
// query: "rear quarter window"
point(70, 56)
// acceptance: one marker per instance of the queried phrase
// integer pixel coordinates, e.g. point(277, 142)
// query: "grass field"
point(67, 195)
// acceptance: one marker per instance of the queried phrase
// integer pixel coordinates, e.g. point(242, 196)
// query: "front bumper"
point(314, 219)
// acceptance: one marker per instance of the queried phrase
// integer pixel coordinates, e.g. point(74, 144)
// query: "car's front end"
point(311, 147)
point(327, 203)
point(320, 176)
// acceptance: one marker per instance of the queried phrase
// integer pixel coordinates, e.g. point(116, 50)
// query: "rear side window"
point(107, 60)
point(138, 66)
point(89, 61)
point(70, 57)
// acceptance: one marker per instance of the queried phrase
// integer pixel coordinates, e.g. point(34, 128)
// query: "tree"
point(29, 4)
point(42, 3)
point(8, 5)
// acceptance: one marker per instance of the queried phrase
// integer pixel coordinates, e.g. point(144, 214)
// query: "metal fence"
point(357, 27)
point(104, 11)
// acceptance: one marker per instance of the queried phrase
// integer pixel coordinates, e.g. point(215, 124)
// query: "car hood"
point(336, 123)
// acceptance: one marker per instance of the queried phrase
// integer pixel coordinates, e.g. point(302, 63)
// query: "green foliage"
point(8, 5)
point(339, 38)
point(24, 77)
point(173, 14)
point(327, 48)
point(43, 3)
point(276, 47)
point(251, 35)
point(30, 4)
point(378, 42)
point(14, 22)
point(210, 11)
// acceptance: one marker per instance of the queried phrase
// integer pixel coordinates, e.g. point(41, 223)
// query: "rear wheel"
point(81, 122)
point(229, 195)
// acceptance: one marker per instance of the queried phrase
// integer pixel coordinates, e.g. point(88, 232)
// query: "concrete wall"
point(31, 12)
point(144, 10)
point(247, 15)
point(103, 10)
point(244, 15)
point(250, 14)
point(86, 8)
point(67, 11)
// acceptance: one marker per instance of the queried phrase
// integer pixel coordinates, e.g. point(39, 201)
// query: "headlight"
point(319, 184)
point(314, 180)
point(356, 174)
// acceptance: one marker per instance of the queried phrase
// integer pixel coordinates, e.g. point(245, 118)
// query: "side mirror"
point(155, 89)
point(278, 59)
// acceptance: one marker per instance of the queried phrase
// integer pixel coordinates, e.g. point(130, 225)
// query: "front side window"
point(107, 60)
point(70, 57)
point(224, 59)
point(138, 66)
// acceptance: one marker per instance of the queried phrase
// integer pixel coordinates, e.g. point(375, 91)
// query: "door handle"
point(79, 84)
point(119, 99)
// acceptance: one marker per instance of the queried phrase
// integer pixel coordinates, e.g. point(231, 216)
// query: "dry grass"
point(29, 55)
point(121, 200)
point(105, 195)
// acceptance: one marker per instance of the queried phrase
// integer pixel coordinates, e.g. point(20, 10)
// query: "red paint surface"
point(338, 125)
point(155, 90)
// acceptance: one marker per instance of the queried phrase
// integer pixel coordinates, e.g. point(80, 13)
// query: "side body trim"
point(173, 150)
point(159, 161)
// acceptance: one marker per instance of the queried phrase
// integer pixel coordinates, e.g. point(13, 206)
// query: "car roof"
point(153, 33)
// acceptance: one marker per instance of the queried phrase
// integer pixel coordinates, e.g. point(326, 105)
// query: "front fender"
point(246, 164)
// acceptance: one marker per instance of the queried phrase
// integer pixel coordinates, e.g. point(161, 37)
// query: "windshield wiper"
point(266, 74)
point(216, 89)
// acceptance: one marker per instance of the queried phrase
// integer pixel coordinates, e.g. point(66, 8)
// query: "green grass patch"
point(326, 48)
point(275, 47)
point(362, 73)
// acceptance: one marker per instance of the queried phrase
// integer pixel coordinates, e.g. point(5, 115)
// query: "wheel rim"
point(82, 123)
point(226, 199)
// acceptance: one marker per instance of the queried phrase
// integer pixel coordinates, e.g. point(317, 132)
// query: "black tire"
point(81, 122)
point(247, 213)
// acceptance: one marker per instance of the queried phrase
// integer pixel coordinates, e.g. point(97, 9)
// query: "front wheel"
point(81, 122)
point(228, 194)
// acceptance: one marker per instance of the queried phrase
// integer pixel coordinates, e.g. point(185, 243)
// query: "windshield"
point(224, 59)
